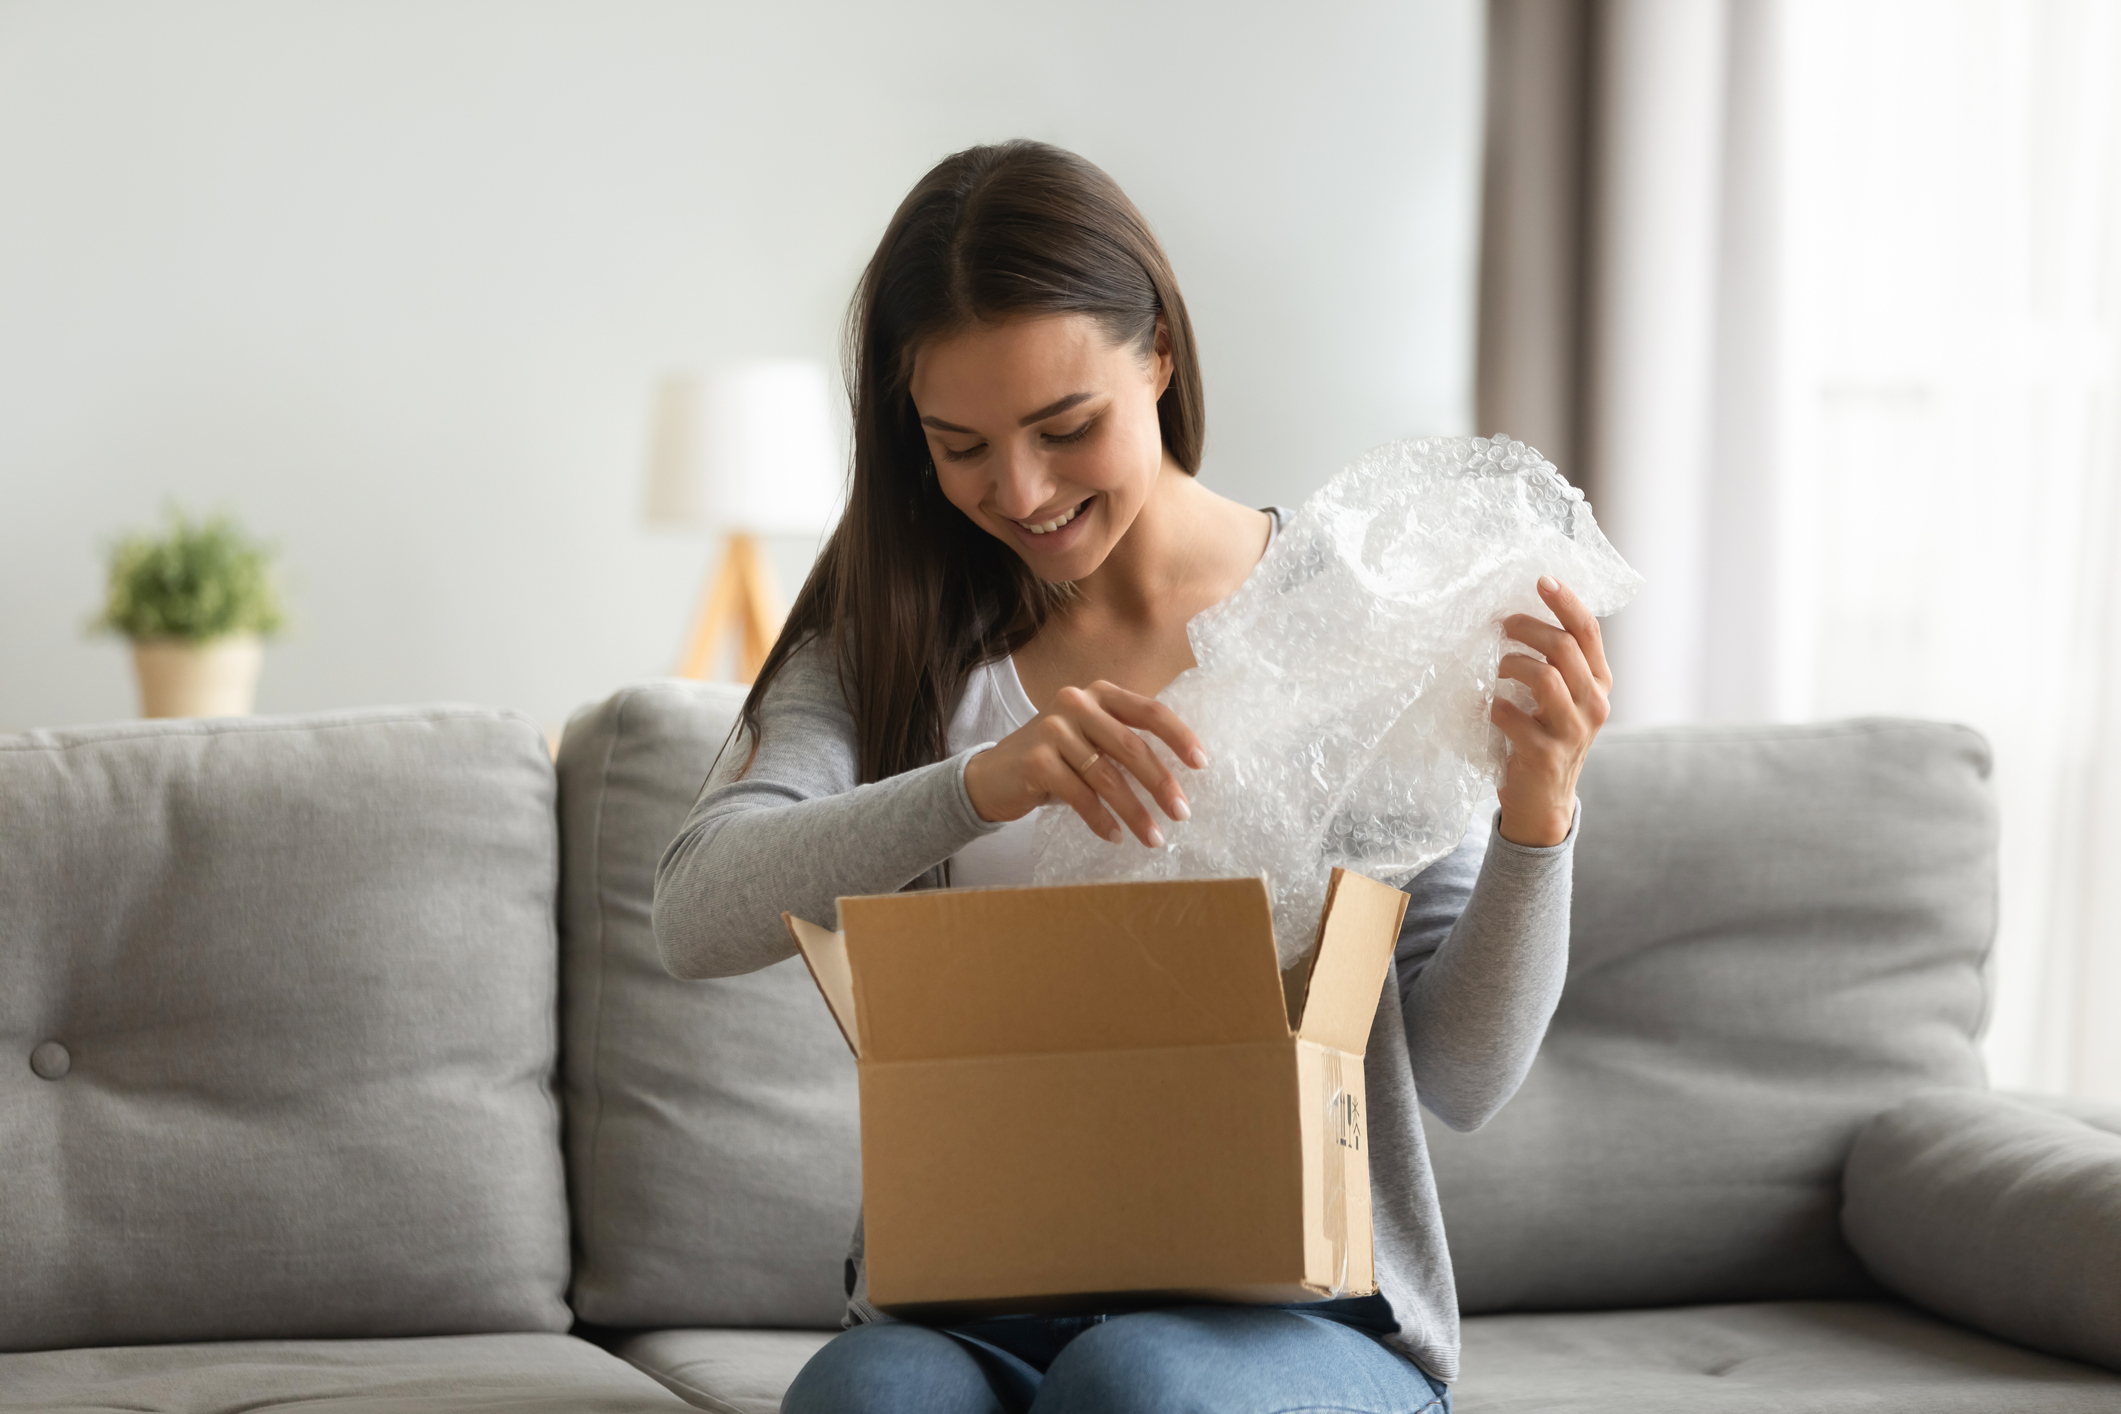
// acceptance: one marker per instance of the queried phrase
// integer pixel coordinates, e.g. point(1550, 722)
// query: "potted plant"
point(196, 602)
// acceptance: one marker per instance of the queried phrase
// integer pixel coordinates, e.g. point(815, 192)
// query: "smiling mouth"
point(1047, 527)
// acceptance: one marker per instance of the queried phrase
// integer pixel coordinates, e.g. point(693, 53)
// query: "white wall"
point(393, 281)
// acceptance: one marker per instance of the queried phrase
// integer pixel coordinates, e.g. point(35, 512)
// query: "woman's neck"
point(1187, 550)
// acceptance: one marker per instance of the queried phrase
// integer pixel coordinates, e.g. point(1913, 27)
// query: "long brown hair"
point(909, 595)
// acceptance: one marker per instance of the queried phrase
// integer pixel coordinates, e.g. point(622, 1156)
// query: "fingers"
point(1521, 727)
point(1560, 648)
point(1557, 708)
point(1102, 713)
point(1111, 734)
point(1048, 771)
point(1091, 753)
point(1548, 747)
point(1103, 780)
point(1577, 619)
point(1153, 717)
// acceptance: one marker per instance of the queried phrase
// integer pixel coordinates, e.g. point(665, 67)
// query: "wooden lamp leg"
point(760, 605)
point(742, 595)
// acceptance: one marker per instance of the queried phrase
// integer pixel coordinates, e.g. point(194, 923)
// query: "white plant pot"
point(186, 678)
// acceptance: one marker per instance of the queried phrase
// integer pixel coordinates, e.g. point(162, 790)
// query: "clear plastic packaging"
point(1343, 692)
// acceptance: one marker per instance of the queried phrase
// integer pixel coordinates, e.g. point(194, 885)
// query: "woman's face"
point(1044, 432)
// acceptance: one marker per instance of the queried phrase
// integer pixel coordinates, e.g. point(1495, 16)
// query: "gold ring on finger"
point(1095, 757)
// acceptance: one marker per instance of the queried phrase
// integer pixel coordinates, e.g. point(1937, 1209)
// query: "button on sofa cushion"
point(51, 1061)
point(1777, 932)
point(303, 973)
point(713, 1138)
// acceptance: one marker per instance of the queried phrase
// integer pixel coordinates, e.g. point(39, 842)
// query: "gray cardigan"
point(1474, 979)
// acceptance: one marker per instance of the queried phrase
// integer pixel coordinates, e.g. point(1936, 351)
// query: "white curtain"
point(1951, 462)
point(1846, 343)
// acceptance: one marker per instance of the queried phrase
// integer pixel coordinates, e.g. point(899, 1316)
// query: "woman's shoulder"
point(810, 670)
point(806, 736)
point(807, 694)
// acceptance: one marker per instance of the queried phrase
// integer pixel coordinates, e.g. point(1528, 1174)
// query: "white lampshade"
point(749, 448)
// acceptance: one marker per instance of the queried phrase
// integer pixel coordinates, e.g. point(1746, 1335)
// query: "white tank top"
point(993, 706)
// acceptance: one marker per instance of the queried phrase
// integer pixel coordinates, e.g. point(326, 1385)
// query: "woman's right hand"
point(1080, 751)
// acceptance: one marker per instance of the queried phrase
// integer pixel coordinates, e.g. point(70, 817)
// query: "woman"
point(985, 632)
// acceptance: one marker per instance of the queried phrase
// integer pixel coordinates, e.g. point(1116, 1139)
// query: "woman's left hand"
point(1547, 748)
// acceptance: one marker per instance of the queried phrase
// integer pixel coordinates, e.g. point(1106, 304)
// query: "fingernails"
point(1115, 835)
point(1549, 584)
point(1198, 760)
point(1180, 810)
point(1156, 838)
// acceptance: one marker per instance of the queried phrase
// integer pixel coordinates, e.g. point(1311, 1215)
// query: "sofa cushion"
point(712, 1134)
point(1803, 1357)
point(727, 1371)
point(1864, 1357)
point(277, 1029)
point(474, 1374)
point(2000, 1211)
point(1777, 933)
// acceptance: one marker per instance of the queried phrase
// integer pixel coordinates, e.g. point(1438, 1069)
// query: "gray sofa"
point(344, 1074)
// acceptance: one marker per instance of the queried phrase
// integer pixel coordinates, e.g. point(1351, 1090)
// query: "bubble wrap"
point(1343, 691)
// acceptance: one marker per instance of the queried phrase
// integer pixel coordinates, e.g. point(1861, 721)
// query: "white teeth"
point(1052, 525)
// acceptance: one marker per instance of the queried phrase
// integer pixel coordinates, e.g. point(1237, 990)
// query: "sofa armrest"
point(2002, 1212)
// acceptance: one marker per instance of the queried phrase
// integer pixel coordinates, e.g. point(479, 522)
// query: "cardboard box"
point(1107, 1095)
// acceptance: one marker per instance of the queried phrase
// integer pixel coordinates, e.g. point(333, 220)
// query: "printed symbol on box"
point(1350, 1117)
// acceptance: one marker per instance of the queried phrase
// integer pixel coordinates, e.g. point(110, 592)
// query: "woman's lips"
point(1054, 541)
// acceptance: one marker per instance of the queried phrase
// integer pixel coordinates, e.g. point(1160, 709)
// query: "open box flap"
point(1357, 931)
point(1083, 967)
point(825, 954)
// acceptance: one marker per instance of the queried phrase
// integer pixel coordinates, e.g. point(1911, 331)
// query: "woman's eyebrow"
point(1051, 408)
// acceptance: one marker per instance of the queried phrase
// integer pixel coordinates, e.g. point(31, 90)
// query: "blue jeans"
point(1187, 1360)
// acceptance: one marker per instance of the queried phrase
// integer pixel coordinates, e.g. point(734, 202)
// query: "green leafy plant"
point(196, 581)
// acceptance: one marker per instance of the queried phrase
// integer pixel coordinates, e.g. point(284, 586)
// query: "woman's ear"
point(1165, 365)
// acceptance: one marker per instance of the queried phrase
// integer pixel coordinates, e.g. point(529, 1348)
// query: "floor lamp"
point(747, 452)
point(741, 595)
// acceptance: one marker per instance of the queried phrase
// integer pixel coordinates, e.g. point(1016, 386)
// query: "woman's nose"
point(1021, 485)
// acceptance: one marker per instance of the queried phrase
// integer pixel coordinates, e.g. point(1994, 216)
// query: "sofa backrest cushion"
point(1777, 933)
point(713, 1138)
point(277, 1004)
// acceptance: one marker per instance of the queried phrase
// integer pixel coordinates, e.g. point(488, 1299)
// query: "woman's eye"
point(953, 454)
point(1062, 439)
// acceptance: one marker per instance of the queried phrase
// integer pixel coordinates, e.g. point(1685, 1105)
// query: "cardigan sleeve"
point(795, 831)
point(1481, 960)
